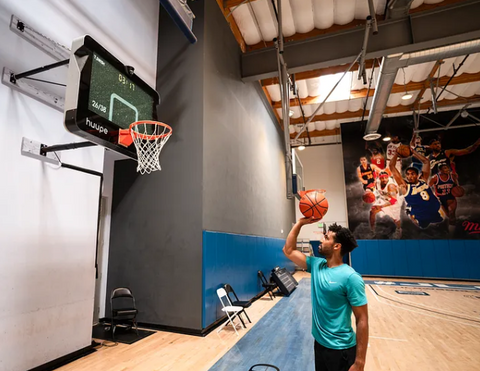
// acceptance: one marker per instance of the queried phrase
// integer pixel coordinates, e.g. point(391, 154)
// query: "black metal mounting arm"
point(63, 147)
point(15, 77)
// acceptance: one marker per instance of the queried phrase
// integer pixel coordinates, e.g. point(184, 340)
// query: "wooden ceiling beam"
point(233, 3)
point(425, 7)
point(314, 33)
point(279, 121)
point(464, 78)
point(427, 82)
point(317, 133)
point(233, 25)
point(388, 110)
point(322, 72)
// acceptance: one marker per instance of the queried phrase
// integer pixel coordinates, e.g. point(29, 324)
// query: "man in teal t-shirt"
point(337, 290)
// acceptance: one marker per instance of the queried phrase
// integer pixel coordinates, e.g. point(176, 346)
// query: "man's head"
point(363, 161)
point(338, 240)
point(435, 145)
point(418, 140)
point(383, 176)
point(412, 175)
point(375, 150)
point(444, 169)
point(395, 139)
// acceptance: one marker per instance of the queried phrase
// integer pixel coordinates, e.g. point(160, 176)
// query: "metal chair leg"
point(136, 326)
point(241, 319)
point(244, 311)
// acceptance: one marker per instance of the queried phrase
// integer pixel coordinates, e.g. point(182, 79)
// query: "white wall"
point(49, 214)
point(323, 169)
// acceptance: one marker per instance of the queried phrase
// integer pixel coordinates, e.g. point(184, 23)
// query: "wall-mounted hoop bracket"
point(50, 47)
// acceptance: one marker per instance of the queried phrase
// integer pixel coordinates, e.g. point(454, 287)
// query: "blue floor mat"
point(281, 338)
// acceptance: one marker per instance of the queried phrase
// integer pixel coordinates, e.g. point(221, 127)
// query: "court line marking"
point(382, 338)
point(419, 312)
point(426, 306)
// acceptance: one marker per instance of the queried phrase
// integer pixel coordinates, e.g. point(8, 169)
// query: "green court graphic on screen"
point(115, 97)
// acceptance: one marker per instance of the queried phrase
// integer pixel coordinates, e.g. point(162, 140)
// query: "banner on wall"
point(433, 192)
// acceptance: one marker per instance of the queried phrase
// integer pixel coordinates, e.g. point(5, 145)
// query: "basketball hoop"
point(149, 138)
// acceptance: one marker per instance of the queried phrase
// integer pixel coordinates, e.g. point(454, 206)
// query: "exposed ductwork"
point(398, 9)
point(390, 66)
point(388, 72)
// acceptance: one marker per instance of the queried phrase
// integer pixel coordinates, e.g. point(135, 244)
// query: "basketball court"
point(157, 153)
point(435, 332)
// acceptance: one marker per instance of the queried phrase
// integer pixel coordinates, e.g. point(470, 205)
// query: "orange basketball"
point(368, 197)
point(458, 191)
point(404, 151)
point(314, 203)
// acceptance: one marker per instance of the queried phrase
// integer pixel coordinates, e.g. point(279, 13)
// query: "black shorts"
point(334, 359)
point(444, 200)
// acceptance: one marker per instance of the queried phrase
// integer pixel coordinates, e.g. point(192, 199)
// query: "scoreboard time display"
point(104, 95)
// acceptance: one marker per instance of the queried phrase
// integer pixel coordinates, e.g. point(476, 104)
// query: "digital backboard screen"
point(104, 95)
point(114, 96)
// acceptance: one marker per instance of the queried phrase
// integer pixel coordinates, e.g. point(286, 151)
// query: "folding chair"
point(126, 312)
point(237, 302)
point(229, 309)
point(267, 285)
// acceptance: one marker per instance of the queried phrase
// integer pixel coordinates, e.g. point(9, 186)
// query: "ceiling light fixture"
point(301, 148)
point(371, 136)
point(386, 139)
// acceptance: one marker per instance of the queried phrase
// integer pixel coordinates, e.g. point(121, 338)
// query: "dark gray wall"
point(243, 168)
point(222, 170)
point(156, 232)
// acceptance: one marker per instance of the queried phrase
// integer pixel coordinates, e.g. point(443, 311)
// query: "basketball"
point(368, 197)
point(404, 151)
point(314, 204)
point(458, 191)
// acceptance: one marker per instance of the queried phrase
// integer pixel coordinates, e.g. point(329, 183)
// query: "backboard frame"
point(297, 175)
point(79, 119)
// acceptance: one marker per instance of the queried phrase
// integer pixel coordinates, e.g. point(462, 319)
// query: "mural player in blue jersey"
point(423, 206)
point(443, 182)
point(337, 290)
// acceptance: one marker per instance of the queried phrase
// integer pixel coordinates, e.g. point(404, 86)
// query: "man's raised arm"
point(290, 248)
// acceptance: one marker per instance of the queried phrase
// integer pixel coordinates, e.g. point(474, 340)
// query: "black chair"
point(123, 309)
point(236, 302)
point(263, 367)
point(269, 286)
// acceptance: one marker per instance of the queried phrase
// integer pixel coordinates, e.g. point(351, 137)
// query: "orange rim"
point(149, 136)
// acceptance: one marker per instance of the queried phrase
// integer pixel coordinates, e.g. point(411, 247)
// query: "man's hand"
point(356, 367)
point(311, 220)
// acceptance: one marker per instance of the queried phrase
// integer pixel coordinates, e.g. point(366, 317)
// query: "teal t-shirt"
point(334, 292)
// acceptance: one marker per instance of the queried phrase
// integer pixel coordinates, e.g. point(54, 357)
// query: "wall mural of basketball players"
point(415, 186)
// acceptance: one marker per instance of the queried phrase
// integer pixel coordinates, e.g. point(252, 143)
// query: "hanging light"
point(371, 136)
point(301, 148)
point(387, 138)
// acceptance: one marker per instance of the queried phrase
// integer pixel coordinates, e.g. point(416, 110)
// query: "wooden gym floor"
point(438, 332)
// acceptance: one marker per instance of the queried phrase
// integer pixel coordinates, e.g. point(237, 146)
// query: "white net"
point(149, 138)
